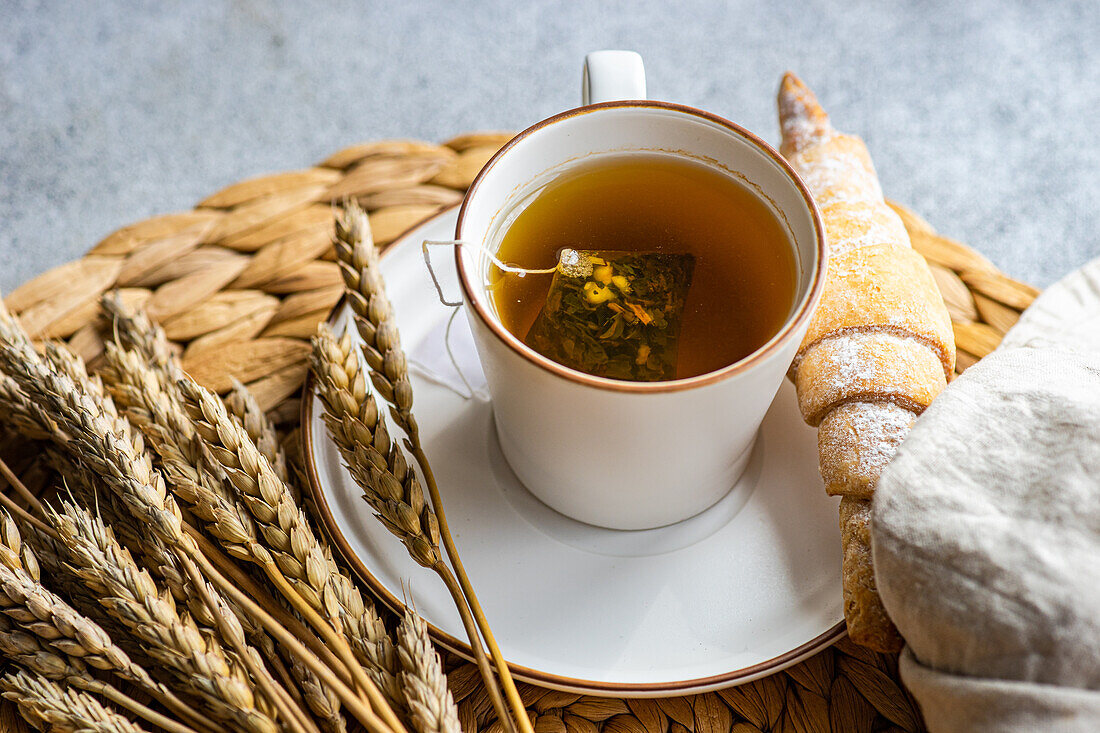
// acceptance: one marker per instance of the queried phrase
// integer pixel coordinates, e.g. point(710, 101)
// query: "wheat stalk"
point(146, 380)
point(97, 434)
point(63, 652)
point(29, 652)
point(297, 554)
point(38, 610)
point(107, 443)
point(54, 709)
point(285, 530)
point(379, 466)
point(374, 319)
point(152, 553)
point(150, 397)
point(152, 404)
point(170, 639)
point(81, 483)
point(136, 332)
point(430, 702)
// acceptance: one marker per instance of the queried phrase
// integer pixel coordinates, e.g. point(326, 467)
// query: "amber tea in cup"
point(664, 268)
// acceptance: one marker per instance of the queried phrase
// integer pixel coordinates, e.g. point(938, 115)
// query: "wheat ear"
point(137, 484)
point(142, 381)
point(146, 381)
point(26, 601)
point(358, 259)
point(152, 403)
point(297, 553)
point(54, 709)
point(26, 650)
point(150, 398)
point(106, 441)
point(21, 413)
point(151, 553)
point(100, 437)
point(103, 439)
point(430, 701)
point(241, 404)
point(381, 470)
point(170, 639)
point(97, 435)
point(366, 295)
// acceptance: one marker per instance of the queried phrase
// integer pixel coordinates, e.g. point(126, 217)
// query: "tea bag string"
point(456, 305)
point(501, 265)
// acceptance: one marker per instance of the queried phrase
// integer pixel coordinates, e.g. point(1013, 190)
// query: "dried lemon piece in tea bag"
point(615, 314)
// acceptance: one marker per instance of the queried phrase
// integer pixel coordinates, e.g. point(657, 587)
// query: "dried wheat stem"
point(467, 590)
point(49, 707)
point(59, 626)
point(376, 462)
point(124, 701)
point(297, 553)
point(388, 365)
point(354, 704)
point(389, 486)
point(432, 706)
point(51, 553)
point(230, 628)
point(100, 437)
point(14, 508)
point(129, 595)
point(231, 572)
point(151, 552)
point(20, 487)
point(278, 630)
point(146, 382)
point(153, 404)
point(106, 442)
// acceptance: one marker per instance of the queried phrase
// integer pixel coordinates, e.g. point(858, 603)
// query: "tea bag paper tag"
point(430, 359)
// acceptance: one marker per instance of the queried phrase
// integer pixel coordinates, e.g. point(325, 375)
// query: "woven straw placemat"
point(240, 283)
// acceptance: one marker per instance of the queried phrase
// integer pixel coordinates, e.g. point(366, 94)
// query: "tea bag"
point(615, 314)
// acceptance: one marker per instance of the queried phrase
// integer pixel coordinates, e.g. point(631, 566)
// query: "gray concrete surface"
point(982, 115)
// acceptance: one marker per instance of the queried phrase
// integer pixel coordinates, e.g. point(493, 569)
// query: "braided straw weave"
point(240, 283)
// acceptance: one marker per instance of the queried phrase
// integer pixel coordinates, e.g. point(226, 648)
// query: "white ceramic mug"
point(628, 455)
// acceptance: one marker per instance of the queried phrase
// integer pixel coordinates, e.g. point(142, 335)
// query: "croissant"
point(879, 347)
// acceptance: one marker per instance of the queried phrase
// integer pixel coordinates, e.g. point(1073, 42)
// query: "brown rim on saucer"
point(803, 313)
point(461, 647)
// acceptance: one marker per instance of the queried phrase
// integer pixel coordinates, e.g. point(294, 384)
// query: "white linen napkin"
point(986, 530)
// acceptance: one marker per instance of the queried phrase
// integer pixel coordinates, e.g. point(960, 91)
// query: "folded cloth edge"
point(968, 704)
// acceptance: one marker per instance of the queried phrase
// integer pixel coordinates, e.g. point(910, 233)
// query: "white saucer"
point(741, 591)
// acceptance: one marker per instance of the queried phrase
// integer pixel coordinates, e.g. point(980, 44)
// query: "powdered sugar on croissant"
point(879, 347)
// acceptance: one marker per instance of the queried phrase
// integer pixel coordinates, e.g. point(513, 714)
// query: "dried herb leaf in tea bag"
point(615, 314)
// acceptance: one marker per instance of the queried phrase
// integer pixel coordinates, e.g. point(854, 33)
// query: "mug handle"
point(611, 76)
